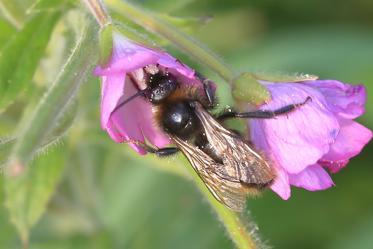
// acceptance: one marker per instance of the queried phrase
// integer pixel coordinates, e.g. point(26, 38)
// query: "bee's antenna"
point(139, 93)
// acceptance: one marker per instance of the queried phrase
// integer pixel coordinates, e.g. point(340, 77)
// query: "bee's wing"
point(236, 154)
point(225, 189)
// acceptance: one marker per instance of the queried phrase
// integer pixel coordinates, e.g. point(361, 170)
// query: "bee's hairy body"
point(229, 167)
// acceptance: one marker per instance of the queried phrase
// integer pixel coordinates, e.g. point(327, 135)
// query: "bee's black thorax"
point(179, 119)
point(172, 105)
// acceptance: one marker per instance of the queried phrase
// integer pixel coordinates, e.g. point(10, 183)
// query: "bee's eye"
point(179, 119)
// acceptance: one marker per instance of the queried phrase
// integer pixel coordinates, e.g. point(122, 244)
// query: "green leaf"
point(49, 5)
point(6, 31)
point(27, 195)
point(5, 148)
point(63, 124)
point(246, 88)
point(20, 57)
point(53, 106)
point(13, 11)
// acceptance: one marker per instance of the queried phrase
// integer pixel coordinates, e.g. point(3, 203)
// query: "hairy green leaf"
point(6, 31)
point(53, 106)
point(14, 11)
point(5, 148)
point(27, 195)
point(63, 124)
point(50, 5)
point(20, 56)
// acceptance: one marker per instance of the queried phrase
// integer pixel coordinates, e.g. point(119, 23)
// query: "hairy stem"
point(98, 11)
point(235, 224)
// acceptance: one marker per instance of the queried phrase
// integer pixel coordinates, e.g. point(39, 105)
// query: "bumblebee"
point(229, 166)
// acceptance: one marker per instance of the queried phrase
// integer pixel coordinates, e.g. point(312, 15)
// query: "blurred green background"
point(108, 197)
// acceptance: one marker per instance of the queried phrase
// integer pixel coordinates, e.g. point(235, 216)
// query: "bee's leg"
point(158, 152)
point(263, 114)
point(168, 151)
point(208, 89)
point(209, 92)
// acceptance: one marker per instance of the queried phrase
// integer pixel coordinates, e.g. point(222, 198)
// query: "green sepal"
point(139, 37)
point(284, 77)
point(106, 44)
point(246, 88)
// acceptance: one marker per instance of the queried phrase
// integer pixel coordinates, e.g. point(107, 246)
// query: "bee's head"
point(161, 85)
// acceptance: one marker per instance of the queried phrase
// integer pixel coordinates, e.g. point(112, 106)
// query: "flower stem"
point(235, 224)
point(181, 40)
point(98, 11)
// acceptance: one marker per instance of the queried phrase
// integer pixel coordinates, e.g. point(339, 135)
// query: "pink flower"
point(317, 136)
point(122, 79)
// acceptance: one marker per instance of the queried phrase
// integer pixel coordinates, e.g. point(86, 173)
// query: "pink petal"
point(312, 178)
point(114, 133)
point(127, 56)
point(111, 91)
point(334, 166)
point(113, 87)
point(350, 141)
point(300, 138)
point(135, 119)
point(118, 137)
point(281, 184)
point(170, 62)
point(155, 135)
point(343, 99)
point(138, 148)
